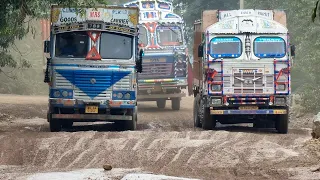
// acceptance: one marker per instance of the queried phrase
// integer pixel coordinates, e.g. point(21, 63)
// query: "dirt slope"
point(166, 143)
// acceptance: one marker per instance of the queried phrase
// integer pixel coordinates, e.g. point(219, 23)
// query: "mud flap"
point(190, 78)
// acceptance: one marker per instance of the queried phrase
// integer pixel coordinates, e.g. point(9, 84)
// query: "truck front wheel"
point(196, 119)
point(175, 103)
point(207, 121)
point(161, 103)
point(282, 123)
point(55, 124)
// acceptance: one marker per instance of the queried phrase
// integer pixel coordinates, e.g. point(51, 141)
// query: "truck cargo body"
point(242, 68)
point(161, 35)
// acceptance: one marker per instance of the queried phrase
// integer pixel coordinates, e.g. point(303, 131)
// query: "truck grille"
point(84, 88)
point(248, 83)
point(157, 70)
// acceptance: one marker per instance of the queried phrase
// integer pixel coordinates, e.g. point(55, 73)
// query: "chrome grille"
point(157, 70)
point(248, 83)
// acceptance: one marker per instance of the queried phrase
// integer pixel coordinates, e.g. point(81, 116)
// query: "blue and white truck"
point(93, 65)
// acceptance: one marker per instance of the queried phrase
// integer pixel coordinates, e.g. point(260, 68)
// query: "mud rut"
point(165, 143)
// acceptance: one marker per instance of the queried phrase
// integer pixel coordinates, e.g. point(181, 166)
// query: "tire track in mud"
point(165, 142)
point(160, 152)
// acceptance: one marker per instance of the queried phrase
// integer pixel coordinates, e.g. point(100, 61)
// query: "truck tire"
point(132, 125)
point(161, 103)
point(66, 124)
point(282, 123)
point(55, 124)
point(208, 123)
point(175, 104)
point(196, 118)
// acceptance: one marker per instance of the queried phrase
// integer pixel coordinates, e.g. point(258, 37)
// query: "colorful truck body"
point(161, 34)
point(242, 68)
point(92, 67)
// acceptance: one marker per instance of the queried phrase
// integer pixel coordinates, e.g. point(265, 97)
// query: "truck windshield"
point(225, 47)
point(116, 46)
point(269, 47)
point(169, 36)
point(143, 37)
point(71, 44)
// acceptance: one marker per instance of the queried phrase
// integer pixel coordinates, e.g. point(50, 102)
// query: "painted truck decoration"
point(161, 35)
point(242, 68)
point(92, 67)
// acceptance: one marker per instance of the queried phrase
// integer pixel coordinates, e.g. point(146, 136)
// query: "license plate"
point(92, 109)
point(248, 108)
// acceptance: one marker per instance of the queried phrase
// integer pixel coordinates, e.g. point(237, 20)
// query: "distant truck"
point(93, 65)
point(165, 62)
point(241, 68)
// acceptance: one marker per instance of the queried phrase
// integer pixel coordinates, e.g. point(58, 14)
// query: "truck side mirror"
point(293, 50)
point(47, 73)
point(46, 48)
point(139, 61)
point(200, 50)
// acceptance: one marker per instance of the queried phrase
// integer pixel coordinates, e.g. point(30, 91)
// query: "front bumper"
point(92, 117)
point(103, 104)
point(249, 112)
point(162, 84)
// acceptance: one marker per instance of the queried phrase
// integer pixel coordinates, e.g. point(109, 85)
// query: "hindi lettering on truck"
point(165, 64)
point(242, 68)
point(93, 64)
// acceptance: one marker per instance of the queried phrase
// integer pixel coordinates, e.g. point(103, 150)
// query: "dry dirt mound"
point(166, 143)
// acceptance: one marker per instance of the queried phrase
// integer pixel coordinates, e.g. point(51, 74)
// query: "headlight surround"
point(216, 101)
point(127, 96)
point(56, 94)
point(215, 87)
point(281, 87)
point(280, 101)
point(119, 95)
point(65, 93)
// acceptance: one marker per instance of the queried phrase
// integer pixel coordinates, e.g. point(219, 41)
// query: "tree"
point(14, 22)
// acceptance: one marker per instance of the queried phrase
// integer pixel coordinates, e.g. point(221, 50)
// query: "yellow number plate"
point(92, 109)
point(248, 108)
point(279, 111)
point(216, 111)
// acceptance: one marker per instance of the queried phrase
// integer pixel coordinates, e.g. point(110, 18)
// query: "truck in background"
point(93, 65)
point(161, 35)
point(241, 68)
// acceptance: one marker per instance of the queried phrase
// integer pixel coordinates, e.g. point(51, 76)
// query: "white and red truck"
point(241, 68)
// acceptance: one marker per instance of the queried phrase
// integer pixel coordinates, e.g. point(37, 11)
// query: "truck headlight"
point(65, 93)
point(215, 87)
point(127, 96)
point(216, 101)
point(119, 95)
point(280, 101)
point(56, 94)
point(281, 87)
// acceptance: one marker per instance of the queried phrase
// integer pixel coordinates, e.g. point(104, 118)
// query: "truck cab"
point(93, 65)
point(242, 69)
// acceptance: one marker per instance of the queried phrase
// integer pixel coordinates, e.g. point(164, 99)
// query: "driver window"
point(72, 44)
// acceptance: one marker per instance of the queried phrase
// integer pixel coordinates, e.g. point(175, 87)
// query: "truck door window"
point(225, 47)
point(169, 36)
point(143, 37)
point(116, 46)
point(71, 44)
point(269, 47)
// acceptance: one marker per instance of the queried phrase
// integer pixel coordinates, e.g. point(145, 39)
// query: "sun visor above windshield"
point(238, 25)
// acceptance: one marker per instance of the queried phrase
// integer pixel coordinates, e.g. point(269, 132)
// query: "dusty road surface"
point(165, 143)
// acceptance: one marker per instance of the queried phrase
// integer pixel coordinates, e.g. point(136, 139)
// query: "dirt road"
point(165, 143)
